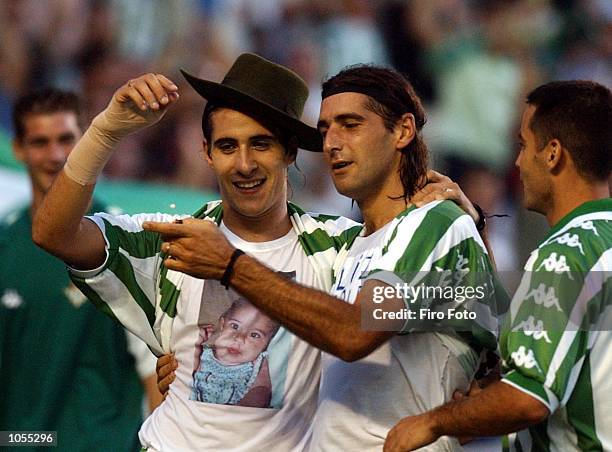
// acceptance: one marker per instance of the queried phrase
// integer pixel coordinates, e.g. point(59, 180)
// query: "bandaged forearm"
point(89, 156)
point(94, 149)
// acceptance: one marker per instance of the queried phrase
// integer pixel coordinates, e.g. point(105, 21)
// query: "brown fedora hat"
point(262, 89)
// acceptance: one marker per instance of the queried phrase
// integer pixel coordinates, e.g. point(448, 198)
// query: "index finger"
point(155, 84)
point(429, 188)
point(168, 84)
point(166, 229)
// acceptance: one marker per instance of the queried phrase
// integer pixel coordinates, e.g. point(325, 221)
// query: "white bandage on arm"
point(94, 149)
point(90, 154)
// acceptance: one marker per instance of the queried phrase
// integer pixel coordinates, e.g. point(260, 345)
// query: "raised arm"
point(59, 225)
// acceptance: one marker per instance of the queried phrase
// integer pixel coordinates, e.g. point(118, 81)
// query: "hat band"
point(375, 93)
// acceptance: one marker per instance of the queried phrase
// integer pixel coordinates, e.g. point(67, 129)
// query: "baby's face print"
point(244, 333)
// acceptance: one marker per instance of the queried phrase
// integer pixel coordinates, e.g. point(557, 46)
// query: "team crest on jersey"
point(11, 299)
point(533, 328)
point(74, 295)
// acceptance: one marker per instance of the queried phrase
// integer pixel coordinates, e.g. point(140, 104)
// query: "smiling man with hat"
point(251, 132)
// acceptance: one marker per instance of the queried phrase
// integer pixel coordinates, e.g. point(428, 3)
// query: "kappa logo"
point(11, 299)
point(533, 328)
point(571, 240)
point(589, 226)
point(544, 297)
point(524, 358)
point(554, 264)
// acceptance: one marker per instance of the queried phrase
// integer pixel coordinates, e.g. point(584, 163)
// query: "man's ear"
point(206, 153)
point(405, 130)
point(18, 150)
point(554, 155)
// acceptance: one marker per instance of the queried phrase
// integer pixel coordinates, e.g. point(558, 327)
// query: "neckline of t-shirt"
point(373, 235)
point(244, 245)
point(407, 211)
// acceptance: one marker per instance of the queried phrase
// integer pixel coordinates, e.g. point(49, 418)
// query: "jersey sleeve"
point(438, 251)
point(127, 285)
point(556, 316)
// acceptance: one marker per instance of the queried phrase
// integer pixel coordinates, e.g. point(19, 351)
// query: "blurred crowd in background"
point(472, 62)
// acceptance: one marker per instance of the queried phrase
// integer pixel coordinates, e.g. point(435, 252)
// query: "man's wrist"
point(225, 279)
point(107, 128)
point(482, 220)
point(88, 158)
point(436, 426)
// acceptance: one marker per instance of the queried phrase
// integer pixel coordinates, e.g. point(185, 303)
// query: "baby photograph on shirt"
point(234, 350)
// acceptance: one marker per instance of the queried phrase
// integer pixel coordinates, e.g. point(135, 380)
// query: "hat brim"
point(308, 138)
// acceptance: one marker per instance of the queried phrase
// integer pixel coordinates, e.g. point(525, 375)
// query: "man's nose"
point(331, 142)
point(57, 152)
point(246, 162)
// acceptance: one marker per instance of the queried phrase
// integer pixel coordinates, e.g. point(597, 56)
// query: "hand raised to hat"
point(195, 247)
point(137, 104)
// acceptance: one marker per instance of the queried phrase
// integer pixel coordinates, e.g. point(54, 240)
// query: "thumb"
point(458, 396)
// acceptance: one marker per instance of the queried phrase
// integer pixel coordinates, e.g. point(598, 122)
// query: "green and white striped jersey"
point(359, 402)
point(135, 288)
point(436, 247)
point(556, 342)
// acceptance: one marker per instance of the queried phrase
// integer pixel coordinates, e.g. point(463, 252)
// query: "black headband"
point(377, 94)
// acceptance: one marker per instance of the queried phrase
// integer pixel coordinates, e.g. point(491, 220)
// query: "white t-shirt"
point(225, 396)
point(181, 423)
point(280, 416)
